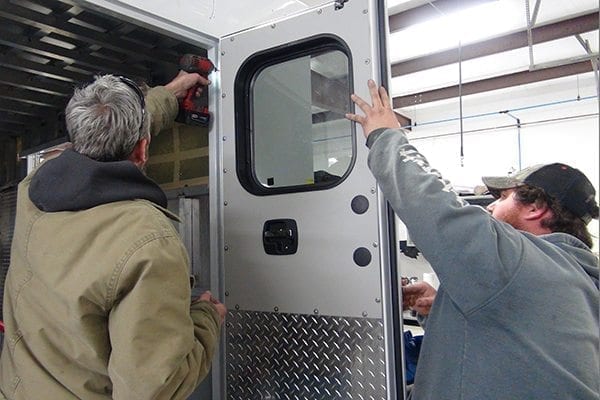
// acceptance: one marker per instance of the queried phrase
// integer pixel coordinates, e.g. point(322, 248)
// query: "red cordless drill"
point(194, 110)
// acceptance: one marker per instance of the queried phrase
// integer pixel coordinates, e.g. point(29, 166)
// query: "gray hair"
point(104, 119)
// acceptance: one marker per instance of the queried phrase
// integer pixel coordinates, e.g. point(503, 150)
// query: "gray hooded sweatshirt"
point(516, 315)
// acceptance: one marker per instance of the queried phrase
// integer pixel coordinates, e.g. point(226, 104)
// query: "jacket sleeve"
point(474, 255)
point(162, 107)
point(162, 346)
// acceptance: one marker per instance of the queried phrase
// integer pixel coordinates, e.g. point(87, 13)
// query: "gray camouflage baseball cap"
point(567, 185)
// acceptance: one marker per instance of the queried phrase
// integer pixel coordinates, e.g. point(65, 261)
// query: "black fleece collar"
point(73, 182)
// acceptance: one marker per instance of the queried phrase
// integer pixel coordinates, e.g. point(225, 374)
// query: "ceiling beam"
point(55, 5)
point(61, 25)
point(498, 82)
point(15, 118)
point(27, 96)
point(15, 107)
point(35, 82)
point(74, 57)
point(402, 119)
point(332, 94)
point(46, 70)
point(544, 33)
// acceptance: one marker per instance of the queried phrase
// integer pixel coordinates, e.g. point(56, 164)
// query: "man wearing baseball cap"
point(516, 315)
point(566, 191)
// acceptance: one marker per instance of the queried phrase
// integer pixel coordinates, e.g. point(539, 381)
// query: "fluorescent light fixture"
point(466, 26)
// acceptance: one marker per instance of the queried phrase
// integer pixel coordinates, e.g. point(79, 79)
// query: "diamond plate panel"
point(291, 356)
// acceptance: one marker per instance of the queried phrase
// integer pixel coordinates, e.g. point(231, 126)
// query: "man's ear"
point(139, 155)
point(536, 211)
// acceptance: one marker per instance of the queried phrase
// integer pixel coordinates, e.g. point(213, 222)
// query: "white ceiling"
point(487, 20)
point(214, 18)
point(491, 19)
point(493, 65)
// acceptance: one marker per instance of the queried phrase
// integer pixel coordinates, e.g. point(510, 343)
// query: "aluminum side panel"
point(322, 277)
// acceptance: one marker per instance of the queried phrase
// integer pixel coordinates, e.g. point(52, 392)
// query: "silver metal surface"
point(293, 356)
point(328, 230)
point(194, 230)
point(309, 325)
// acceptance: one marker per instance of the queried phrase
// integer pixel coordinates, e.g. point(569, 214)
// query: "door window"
point(294, 135)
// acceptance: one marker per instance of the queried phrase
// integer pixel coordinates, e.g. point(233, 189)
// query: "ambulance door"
point(304, 245)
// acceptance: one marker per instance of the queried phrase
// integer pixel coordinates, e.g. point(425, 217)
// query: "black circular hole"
point(360, 204)
point(362, 257)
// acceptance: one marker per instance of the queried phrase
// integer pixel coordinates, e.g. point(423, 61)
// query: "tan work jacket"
point(97, 302)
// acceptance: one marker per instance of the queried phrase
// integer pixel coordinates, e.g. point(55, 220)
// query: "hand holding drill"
point(193, 109)
point(185, 82)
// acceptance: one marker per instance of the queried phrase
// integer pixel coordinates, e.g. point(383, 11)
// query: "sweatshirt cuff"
point(374, 135)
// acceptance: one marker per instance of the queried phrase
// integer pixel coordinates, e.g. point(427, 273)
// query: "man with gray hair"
point(97, 299)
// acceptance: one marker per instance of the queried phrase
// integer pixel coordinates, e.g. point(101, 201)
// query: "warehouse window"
point(290, 105)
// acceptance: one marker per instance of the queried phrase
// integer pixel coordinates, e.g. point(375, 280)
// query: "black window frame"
point(243, 104)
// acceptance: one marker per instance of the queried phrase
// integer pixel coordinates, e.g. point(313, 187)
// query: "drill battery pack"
point(198, 116)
